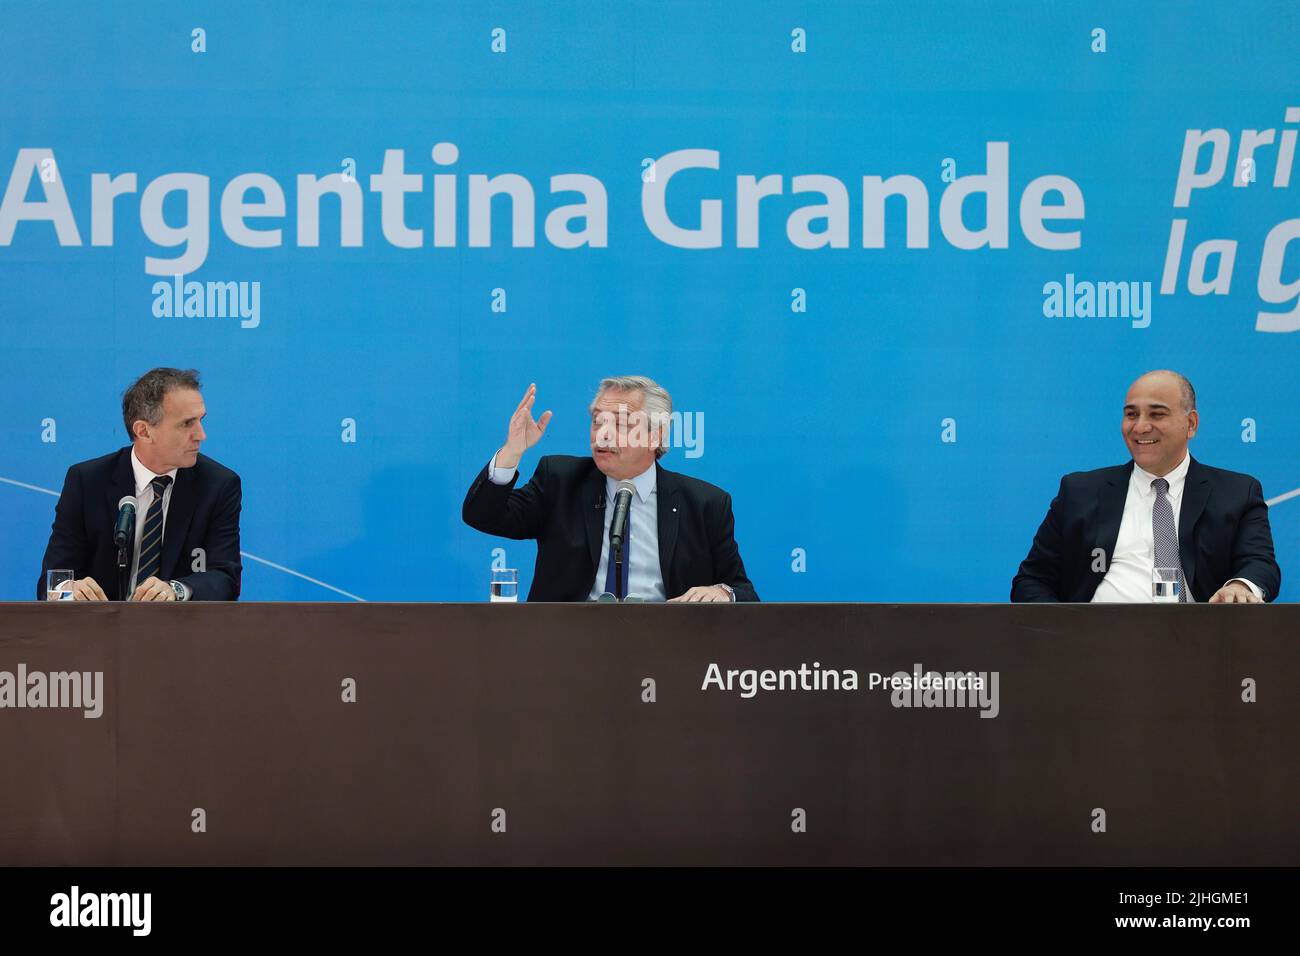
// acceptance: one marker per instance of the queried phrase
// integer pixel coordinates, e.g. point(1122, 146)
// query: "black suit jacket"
point(1223, 533)
point(563, 507)
point(203, 513)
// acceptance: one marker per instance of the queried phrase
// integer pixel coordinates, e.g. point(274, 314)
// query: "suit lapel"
point(593, 508)
point(1110, 508)
point(1196, 492)
point(179, 512)
point(123, 482)
point(666, 489)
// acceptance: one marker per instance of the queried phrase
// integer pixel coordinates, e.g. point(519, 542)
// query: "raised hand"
point(523, 432)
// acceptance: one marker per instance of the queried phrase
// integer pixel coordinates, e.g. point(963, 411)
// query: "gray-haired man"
point(681, 541)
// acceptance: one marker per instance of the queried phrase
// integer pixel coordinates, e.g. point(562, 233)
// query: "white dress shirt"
point(644, 577)
point(144, 499)
point(1128, 579)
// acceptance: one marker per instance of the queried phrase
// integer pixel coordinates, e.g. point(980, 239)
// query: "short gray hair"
point(144, 399)
point(655, 402)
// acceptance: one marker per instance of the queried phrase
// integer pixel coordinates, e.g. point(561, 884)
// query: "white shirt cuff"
point(499, 476)
point(1254, 588)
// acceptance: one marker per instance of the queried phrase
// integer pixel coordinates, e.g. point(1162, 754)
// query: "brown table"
point(537, 710)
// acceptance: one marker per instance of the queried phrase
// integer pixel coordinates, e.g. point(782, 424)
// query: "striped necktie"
point(152, 536)
point(1165, 534)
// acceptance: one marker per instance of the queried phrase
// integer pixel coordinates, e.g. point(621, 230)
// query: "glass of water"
point(505, 585)
point(1166, 585)
point(58, 584)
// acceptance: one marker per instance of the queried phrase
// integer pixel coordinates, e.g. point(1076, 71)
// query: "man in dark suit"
point(186, 536)
point(1107, 530)
point(680, 545)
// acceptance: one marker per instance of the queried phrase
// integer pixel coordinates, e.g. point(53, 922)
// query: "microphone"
point(125, 525)
point(622, 504)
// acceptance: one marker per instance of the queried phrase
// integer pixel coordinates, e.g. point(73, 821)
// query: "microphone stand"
point(618, 572)
point(124, 538)
point(123, 571)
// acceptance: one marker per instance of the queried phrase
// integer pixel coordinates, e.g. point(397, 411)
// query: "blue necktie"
point(1165, 535)
point(151, 537)
point(627, 555)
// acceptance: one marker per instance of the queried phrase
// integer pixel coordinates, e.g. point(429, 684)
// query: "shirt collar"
point(1175, 477)
point(143, 476)
point(645, 484)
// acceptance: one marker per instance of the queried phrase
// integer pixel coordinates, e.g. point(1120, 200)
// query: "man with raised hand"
point(680, 543)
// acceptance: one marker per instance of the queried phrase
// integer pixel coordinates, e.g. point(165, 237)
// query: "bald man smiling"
point(1106, 529)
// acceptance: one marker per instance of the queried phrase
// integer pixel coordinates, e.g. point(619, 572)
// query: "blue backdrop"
point(897, 439)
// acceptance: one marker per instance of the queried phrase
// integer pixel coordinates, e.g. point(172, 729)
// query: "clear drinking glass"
point(58, 584)
point(1166, 585)
point(505, 585)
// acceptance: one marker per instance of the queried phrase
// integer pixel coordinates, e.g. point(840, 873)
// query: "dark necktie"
point(1165, 534)
point(627, 562)
point(151, 537)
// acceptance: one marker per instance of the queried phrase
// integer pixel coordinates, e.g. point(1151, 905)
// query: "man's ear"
point(1193, 422)
point(140, 428)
